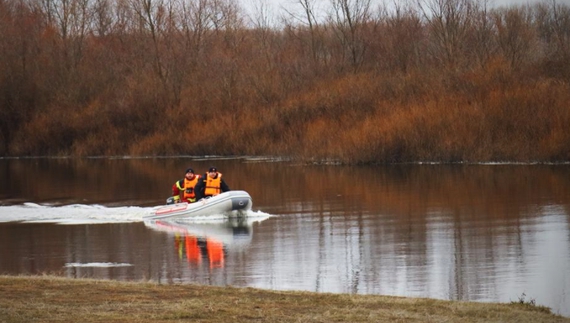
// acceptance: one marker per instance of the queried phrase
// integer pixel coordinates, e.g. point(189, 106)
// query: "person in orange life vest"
point(183, 190)
point(211, 184)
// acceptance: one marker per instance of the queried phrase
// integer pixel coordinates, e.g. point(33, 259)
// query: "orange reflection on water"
point(195, 249)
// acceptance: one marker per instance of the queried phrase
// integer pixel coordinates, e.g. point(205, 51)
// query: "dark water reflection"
point(483, 233)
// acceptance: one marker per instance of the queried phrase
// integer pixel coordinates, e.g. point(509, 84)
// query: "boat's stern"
point(241, 200)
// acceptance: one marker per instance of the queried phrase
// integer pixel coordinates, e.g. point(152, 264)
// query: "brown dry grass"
point(54, 299)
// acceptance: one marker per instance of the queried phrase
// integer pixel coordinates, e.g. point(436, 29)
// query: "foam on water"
point(84, 214)
point(97, 264)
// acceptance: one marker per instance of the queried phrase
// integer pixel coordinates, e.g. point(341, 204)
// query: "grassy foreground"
point(54, 299)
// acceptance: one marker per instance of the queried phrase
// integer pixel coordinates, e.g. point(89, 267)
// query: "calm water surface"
point(490, 233)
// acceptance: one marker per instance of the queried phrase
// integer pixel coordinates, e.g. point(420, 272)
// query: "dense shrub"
point(444, 81)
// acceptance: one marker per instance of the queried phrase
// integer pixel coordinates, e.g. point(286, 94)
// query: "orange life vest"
point(213, 185)
point(187, 190)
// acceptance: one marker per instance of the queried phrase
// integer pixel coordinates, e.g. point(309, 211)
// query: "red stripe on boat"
point(171, 209)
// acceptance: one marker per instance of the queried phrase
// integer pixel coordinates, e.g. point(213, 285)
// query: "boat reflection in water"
point(208, 242)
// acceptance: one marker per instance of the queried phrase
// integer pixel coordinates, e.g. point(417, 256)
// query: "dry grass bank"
point(52, 299)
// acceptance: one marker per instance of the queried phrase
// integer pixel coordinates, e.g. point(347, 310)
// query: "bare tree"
point(102, 17)
point(73, 21)
point(309, 19)
point(482, 41)
point(404, 36)
point(449, 22)
point(553, 24)
point(349, 20)
point(515, 34)
point(151, 17)
point(196, 21)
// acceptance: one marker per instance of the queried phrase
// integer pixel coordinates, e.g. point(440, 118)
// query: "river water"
point(488, 233)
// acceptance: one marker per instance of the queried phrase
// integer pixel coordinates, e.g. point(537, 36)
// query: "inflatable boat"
point(227, 203)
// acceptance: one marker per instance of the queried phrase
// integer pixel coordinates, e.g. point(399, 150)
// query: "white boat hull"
point(225, 204)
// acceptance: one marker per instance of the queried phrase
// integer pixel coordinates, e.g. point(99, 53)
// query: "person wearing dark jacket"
point(211, 184)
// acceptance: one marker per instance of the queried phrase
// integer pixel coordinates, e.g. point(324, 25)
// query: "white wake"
point(82, 214)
